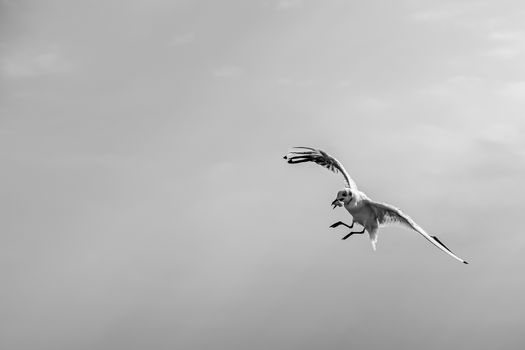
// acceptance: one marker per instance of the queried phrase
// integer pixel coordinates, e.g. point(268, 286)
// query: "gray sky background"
point(145, 203)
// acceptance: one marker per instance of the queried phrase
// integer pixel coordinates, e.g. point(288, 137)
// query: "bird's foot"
point(334, 225)
point(354, 232)
point(348, 235)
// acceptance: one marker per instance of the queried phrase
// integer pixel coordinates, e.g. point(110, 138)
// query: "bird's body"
point(364, 215)
point(367, 213)
point(361, 213)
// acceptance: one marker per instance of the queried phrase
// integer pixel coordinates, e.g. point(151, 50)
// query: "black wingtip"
point(285, 157)
point(464, 262)
point(310, 148)
point(444, 246)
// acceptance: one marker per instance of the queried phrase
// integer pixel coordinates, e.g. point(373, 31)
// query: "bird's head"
point(343, 197)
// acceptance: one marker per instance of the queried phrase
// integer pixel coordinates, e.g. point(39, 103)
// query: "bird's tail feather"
point(373, 238)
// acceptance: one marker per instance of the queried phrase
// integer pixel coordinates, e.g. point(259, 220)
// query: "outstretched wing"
point(308, 154)
point(387, 214)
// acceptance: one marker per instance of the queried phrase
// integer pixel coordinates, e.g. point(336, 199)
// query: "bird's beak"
point(337, 203)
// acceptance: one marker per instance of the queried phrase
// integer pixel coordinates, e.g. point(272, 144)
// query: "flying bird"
point(367, 213)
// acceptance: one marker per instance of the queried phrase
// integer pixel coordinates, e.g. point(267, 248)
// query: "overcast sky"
point(145, 203)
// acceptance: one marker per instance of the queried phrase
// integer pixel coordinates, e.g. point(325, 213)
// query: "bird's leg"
point(357, 233)
point(341, 223)
point(349, 226)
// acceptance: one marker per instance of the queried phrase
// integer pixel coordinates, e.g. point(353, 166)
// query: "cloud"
point(504, 52)
point(370, 104)
point(501, 133)
point(284, 81)
point(291, 82)
point(433, 15)
point(514, 90)
point(453, 87)
point(505, 35)
point(456, 12)
point(344, 84)
point(34, 65)
point(506, 44)
point(289, 4)
point(227, 71)
point(182, 39)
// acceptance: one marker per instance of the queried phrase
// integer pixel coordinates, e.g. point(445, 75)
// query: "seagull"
point(370, 215)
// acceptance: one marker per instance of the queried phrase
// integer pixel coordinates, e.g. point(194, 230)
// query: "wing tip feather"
point(301, 154)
